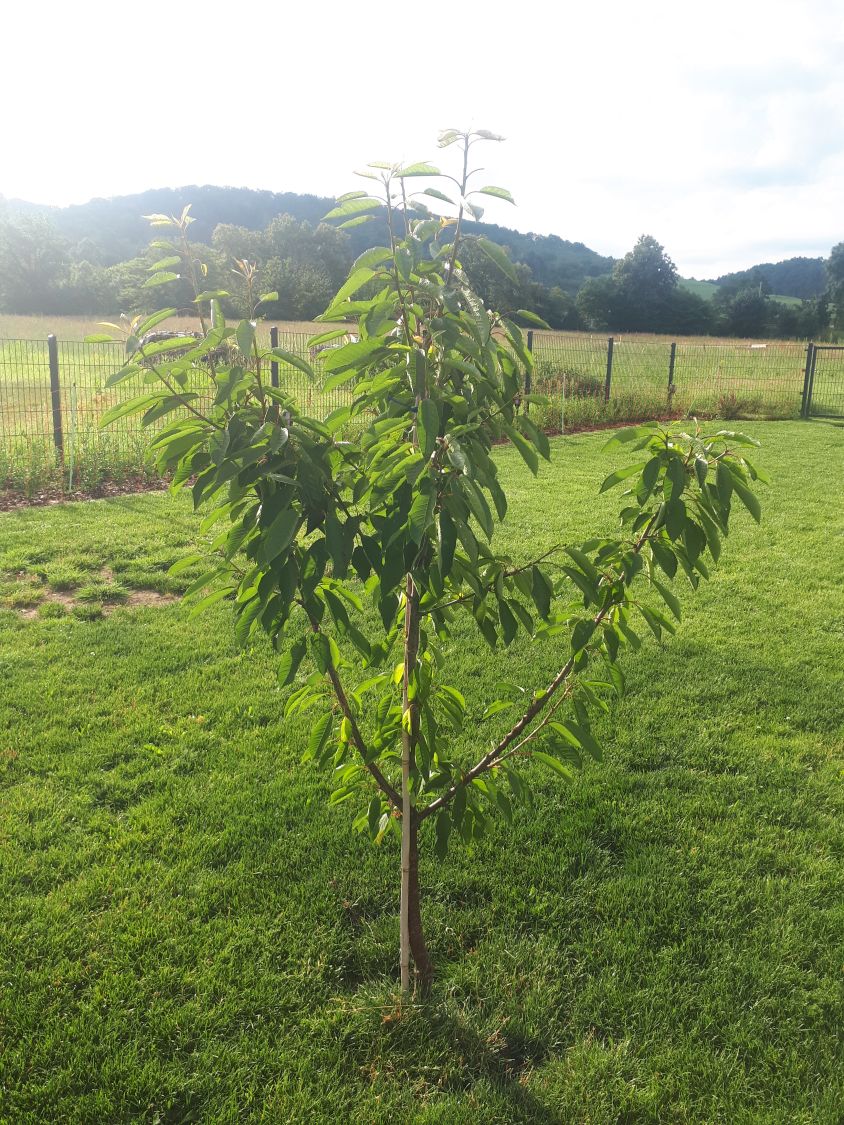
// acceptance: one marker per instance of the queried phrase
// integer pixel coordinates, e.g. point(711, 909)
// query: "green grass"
point(708, 289)
point(189, 933)
point(705, 289)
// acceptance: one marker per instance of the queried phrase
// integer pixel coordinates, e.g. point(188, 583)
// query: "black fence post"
point(608, 381)
point(55, 393)
point(528, 375)
point(274, 362)
point(672, 358)
point(806, 404)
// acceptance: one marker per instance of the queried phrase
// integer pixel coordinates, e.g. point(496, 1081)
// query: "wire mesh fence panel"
point(25, 399)
point(736, 380)
point(586, 379)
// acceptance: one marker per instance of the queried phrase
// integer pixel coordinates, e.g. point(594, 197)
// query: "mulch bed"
point(10, 500)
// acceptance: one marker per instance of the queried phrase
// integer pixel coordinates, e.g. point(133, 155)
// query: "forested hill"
point(107, 231)
point(795, 277)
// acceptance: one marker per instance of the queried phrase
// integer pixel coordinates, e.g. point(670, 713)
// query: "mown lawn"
point(189, 933)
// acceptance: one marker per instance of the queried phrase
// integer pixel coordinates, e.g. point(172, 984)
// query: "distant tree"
point(88, 290)
point(835, 286)
point(239, 242)
point(34, 262)
point(555, 306)
point(646, 269)
point(747, 313)
point(601, 304)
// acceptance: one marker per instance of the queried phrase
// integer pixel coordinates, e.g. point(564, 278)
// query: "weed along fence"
point(53, 392)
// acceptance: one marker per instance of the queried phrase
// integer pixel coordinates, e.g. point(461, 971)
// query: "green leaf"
point(434, 194)
point(374, 256)
point(634, 433)
point(165, 263)
point(498, 192)
point(496, 706)
point(320, 733)
point(578, 736)
point(132, 406)
point(509, 624)
point(738, 438)
point(355, 222)
point(156, 318)
point(245, 336)
point(478, 505)
point(675, 518)
point(669, 597)
point(184, 564)
point(428, 424)
point(621, 474)
point(356, 281)
point(294, 361)
point(498, 256)
point(351, 355)
point(723, 482)
point(447, 543)
point(290, 661)
point(98, 338)
point(279, 535)
point(354, 207)
point(420, 514)
point(581, 635)
point(532, 318)
point(418, 170)
point(160, 279)
point(524, 447)
point(748, 498)
point(555, 764)
point(541, 592)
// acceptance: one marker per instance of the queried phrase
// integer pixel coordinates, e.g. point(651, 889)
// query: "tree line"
point(45, 268)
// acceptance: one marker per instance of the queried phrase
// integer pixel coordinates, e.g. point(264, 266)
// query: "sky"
point(716, 128)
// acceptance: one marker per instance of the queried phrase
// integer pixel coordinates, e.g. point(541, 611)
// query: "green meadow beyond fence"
point(53, 392)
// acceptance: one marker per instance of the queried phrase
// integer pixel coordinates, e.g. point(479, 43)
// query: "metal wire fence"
point(53, 393)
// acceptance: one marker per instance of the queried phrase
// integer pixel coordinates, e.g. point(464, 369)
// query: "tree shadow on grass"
point(433, 1050)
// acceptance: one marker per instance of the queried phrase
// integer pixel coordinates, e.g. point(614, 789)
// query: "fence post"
point(274, 362)
point(55, 393)
point(608, 381)
point(806, 404)
point(672, 357)
point(528, 375)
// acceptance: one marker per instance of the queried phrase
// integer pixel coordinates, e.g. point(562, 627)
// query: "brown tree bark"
point(421, 959)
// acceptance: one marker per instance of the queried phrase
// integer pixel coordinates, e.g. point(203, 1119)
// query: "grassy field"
point(708, 289)
point(189, 933)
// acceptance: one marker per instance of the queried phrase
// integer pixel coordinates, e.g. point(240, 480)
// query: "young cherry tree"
point(358, 540)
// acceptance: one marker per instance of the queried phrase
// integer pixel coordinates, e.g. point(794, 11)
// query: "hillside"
point(107, 231)
point(803, 278)
point(708, 289)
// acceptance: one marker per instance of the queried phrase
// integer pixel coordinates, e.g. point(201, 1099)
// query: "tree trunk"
point(423, 963)
point(407, 836)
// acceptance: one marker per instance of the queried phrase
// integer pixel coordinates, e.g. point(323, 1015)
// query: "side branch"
point(386, 788)
point(498, 752)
